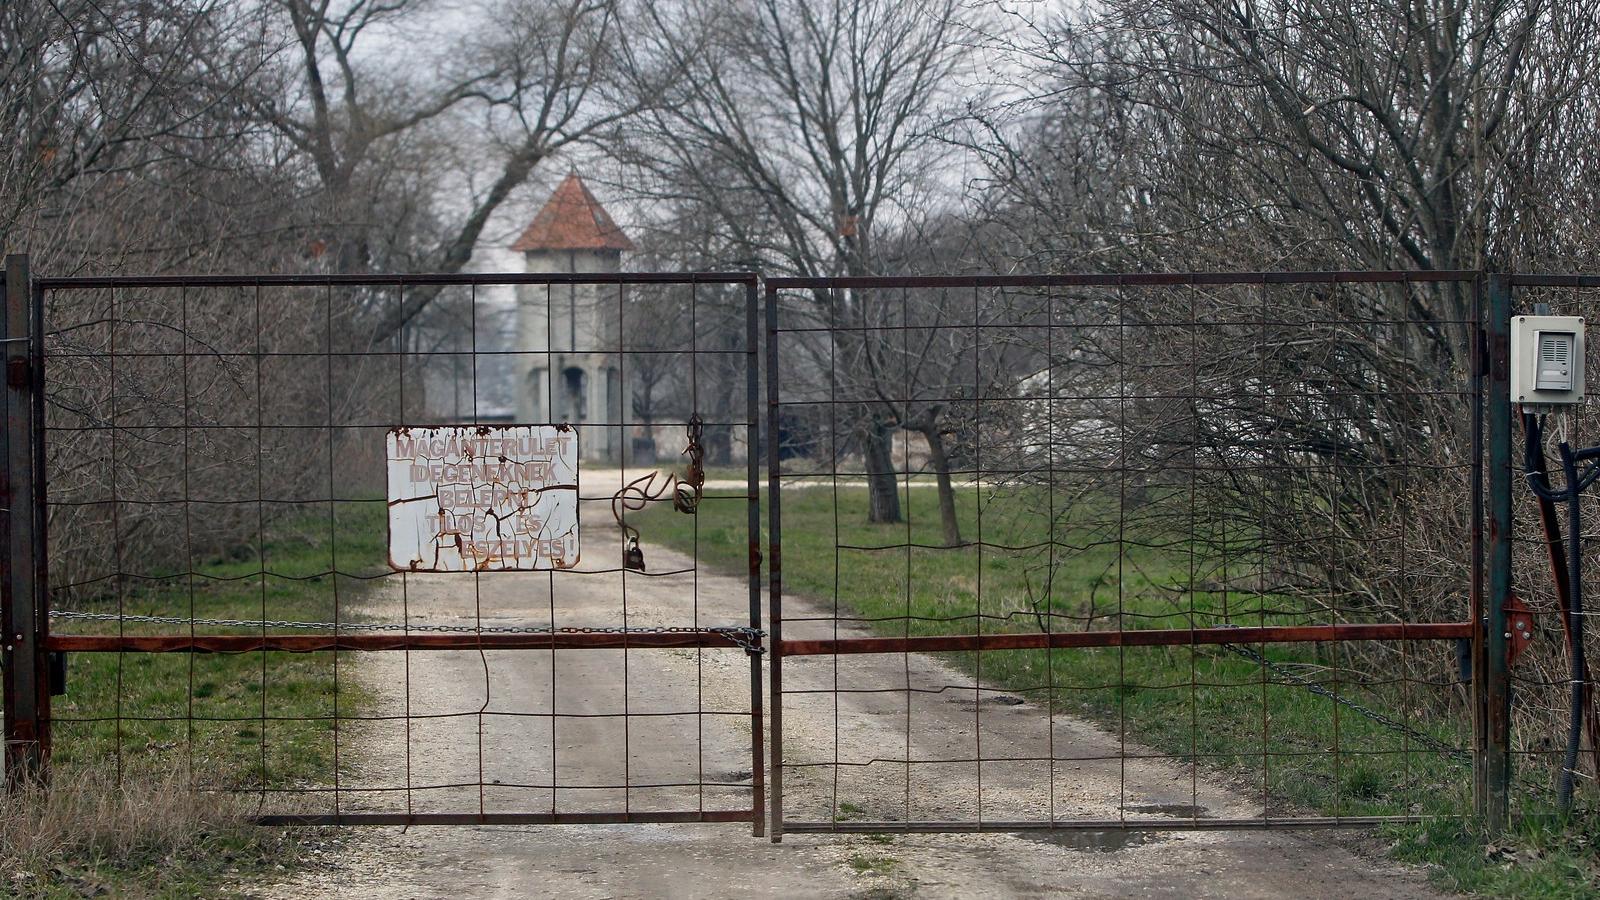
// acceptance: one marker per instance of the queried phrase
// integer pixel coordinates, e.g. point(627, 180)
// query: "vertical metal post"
point(26, 681)
point(1492, 683)
point(752, 362)
point(774, 568)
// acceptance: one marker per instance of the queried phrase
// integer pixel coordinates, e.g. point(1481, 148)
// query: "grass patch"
point(1202, 703)
point(1539, 856)
point(217, 722)
point(868, 864)
point(848, 811)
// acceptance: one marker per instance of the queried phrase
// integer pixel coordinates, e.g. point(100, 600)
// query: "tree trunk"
point(643, 448)
point(882, 487)
point(947, 493)
point(719, 445)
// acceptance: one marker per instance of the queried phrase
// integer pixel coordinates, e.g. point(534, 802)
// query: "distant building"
point(571, 372)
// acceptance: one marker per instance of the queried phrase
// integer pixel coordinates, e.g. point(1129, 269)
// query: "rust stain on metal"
point(1519, 623)
point(314, 643)
point(1156, 637)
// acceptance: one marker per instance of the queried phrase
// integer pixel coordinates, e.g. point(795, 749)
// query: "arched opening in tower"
point(574, 393)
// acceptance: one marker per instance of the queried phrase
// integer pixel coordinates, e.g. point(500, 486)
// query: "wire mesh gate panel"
point(1158, 551)
point(214, 451)
point(1542, 680)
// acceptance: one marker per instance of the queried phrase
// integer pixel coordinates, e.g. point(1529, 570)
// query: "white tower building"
point(572, 372)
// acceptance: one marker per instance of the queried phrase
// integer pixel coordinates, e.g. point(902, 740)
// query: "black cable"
point(1576, 483)
point(1574, 614)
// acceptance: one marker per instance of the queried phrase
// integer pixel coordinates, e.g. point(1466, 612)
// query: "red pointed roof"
point(572, 219)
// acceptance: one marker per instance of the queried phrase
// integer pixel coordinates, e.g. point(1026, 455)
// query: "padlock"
point(632, 556)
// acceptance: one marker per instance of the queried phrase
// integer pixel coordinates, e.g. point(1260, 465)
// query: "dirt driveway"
point(591, 751)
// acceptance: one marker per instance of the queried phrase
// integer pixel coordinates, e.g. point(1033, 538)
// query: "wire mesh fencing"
point(222, 568)
point(1148, 551)
point(1169, 551)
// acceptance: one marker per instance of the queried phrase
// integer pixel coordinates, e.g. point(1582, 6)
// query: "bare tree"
point(118, 147)
point(1289, 134)
point(543, 77)
point(1333, 133)
point(800, 134)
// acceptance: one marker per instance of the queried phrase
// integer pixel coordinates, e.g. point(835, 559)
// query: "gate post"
point(1491, 679)
point(774, 574)
point(26, 681)
point(752, 337)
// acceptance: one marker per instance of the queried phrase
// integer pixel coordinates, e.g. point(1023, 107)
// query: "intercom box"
point(1547, 360)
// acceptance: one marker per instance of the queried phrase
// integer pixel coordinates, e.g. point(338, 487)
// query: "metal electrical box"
point(1546, 360)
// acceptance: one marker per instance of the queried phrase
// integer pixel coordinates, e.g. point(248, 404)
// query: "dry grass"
point(152, 835)
point(125, 815)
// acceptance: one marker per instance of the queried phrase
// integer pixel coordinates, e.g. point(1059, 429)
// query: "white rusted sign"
point(483, 499)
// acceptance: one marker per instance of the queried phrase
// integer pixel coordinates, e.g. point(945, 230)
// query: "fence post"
point(774, 575)
point(26, 680)
point(752, 361)
point(1492, 683)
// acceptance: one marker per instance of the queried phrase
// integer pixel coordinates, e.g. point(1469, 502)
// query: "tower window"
point(574, 384)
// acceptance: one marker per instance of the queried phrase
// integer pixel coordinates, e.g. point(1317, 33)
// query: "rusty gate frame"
point(1490, 573)
point(27, 643)
point(24, 579)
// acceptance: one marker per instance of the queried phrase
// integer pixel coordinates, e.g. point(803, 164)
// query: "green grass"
point(209, 708)
point(871, 864)
point(1540, 856)
point(237, 722)
point(1202, 702)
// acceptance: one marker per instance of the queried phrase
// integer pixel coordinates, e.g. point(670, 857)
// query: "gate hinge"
point(1519, 629)
point(19, 373)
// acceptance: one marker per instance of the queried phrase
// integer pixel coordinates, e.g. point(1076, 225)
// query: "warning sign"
point(482, 499)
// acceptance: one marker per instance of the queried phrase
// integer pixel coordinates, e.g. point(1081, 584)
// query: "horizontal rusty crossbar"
point(1192, 824)
point(1152, 279)
point(422, 278)
point(1155, 637)
point(309, 643)
point(621, 818)
point(1535, 279)
point(1063, 280)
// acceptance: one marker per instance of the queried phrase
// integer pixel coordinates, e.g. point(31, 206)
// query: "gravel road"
point(592, 751)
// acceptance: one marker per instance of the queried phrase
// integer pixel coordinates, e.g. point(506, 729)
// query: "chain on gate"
point(687, 491)
point(1367, 712)
point(740, 636)
point(640, 492)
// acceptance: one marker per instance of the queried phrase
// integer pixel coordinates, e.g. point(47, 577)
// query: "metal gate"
point(1174, 551)
point(206, 457)
point(1096, 552)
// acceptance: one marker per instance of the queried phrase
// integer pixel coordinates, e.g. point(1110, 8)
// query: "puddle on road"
point(1113, 840)
point(1181, 810)
point(1094, 841)
point(1000, 700)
